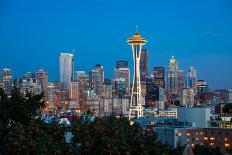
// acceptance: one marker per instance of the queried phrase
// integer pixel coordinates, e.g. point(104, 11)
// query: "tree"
point(203, 150)
point(111, 135)
point(19, 108)
point(227, 108)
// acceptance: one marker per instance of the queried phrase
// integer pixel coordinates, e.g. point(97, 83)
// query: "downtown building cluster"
point(177, 106)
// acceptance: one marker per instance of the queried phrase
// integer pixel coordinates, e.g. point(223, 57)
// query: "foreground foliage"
point(205, 150)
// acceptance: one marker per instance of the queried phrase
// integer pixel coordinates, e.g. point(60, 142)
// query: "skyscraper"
point(135, 110)
point(159, 77)
point(172, 81)
point(66, 70)
point(97, 78)
point(180, 81)
point(122, 71)
point(51, 93)
point(42, 80)
point(7, 80)
point(120, 87)
point(191, 79)
point(143, 66)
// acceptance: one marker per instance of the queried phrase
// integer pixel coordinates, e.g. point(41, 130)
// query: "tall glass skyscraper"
point(172, 81)
point(66, 70)
point(191, 79)
point(97, 78)
point(143, 66)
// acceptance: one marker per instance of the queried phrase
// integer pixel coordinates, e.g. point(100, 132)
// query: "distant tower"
point(7, 80)
point(135, 109)
point(159, 77)
point(143, 66)
point(97, 79)
point(172, 82)
point(42, 80)
point(66, 70)
point(191, 79)
point(122, 71)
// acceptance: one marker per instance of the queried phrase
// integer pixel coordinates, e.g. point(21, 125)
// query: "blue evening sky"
point(197, 32)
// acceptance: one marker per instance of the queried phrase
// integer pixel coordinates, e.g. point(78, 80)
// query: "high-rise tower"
point(66, 70)
point(136, 42)
point(172, 84)
point(122, 72)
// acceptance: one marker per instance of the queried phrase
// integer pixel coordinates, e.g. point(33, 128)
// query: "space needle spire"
point(135, 109)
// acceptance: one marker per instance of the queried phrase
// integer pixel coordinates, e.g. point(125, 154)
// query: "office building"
point(159, 77)
point(7, 80)
point(172, 81)
point(96, 78)
point(199, 116)
point(42, 80)
point(191, 79)
point(122, 71)
point(66, 70)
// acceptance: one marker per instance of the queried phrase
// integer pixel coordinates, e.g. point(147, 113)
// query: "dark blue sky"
point(198, 33)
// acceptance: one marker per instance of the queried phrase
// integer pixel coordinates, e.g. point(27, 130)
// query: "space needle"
point(135, 109)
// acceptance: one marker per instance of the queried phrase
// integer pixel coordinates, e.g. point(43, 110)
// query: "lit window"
point(179, 134)
point(197, 138)
point(188, 134)
point(211, 144)
point(227, 145)
point(206, 138)
point(201, 133)
point(131, 123)
point(211, 138)
point(196, 133)
point(192, 145)
point(226, 139)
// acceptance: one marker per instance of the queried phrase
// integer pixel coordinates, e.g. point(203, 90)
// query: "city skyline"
point(32, 41)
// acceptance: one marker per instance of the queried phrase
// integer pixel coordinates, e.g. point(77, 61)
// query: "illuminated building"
point(96, 79)
point(42, 80)
point(122, 71)
point(159, 78)
point(51, 93)
point(180, 77)
point(66, 70)
point(135, 110)
point(7, 80)
point(120, 87)
point(143, 65)
point(191, 79)
point(202, 86)
point(143, 70)
point(107, 88)
point(155, 94)
point(74, 91)
point(187, 97)
point(79, 74)
point(28, 83)
point(172, 81)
